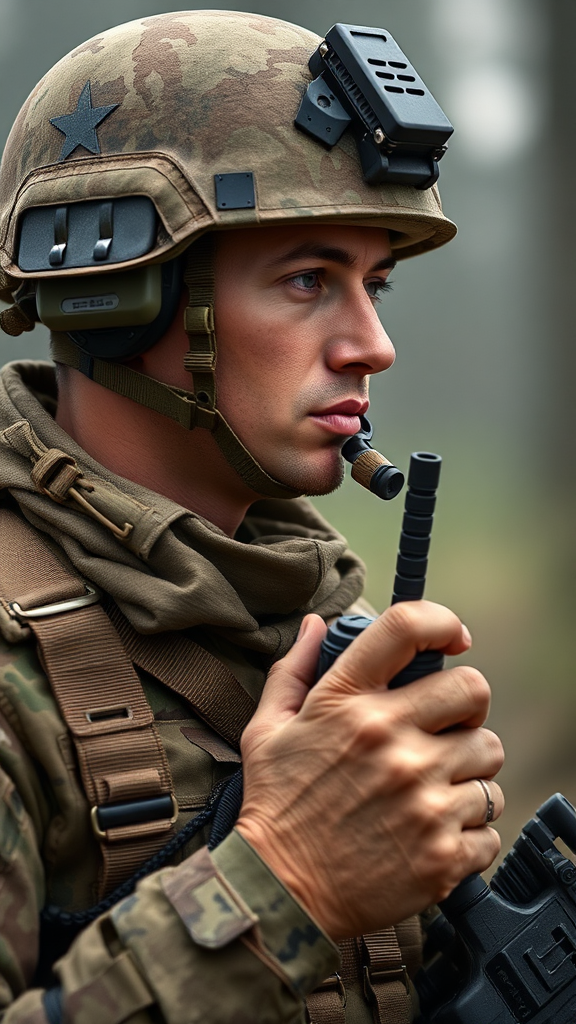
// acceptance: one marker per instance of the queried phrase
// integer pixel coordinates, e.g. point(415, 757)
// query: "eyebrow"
point(331, 253)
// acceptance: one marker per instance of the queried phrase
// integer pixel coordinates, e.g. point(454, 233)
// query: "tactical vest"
point(90, 653)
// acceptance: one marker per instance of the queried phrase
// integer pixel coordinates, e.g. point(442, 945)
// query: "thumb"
point(290, 679)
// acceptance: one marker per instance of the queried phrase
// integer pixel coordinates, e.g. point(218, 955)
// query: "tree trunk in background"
point(556, 198)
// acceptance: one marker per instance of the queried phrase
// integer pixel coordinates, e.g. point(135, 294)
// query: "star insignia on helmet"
point(79, 127)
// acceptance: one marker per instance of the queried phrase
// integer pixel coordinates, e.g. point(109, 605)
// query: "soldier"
point(156, 195)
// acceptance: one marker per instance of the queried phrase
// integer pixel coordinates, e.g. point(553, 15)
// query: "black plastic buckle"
point(133, 812)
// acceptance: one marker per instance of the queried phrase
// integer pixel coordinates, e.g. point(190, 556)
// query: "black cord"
point(51, 915)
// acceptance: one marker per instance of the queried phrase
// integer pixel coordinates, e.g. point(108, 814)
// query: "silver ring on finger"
point(489, 801)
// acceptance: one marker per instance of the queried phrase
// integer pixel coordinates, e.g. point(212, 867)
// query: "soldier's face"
point(298, 338)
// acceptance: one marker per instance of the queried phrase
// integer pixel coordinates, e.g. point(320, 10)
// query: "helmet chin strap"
point(200, 360)
point(189, 408)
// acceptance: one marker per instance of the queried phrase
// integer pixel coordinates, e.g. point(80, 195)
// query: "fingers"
point(466, 754)
point(456, 696)
point(459, 841)
point(390, 643)
point(481, 801)
point(480, 846)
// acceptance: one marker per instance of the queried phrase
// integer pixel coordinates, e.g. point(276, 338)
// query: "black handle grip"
point(410, 579)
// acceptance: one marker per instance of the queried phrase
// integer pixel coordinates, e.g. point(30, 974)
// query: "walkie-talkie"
point(503, 952)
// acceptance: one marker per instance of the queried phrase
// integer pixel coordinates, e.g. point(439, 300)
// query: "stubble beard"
point(297, 473)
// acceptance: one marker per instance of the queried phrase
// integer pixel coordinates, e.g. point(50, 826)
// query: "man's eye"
point(307, 282)
point(376, 289)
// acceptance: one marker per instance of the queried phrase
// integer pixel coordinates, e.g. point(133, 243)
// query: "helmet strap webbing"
point(200, 360)
point(166, 399)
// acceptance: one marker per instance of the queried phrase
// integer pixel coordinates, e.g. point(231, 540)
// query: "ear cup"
point(115, 343)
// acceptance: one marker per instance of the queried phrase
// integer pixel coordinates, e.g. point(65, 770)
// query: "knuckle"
point(276, 669)
point(433, 806)
point(407, 766)
point(473, 683)
point(403, 618)
point(442, 861)
point(494, 749)
point(369, 726)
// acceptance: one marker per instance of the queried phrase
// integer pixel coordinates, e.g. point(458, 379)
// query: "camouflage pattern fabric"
point(187, 96)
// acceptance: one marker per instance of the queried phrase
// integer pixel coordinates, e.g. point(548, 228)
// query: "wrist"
point(300, 880)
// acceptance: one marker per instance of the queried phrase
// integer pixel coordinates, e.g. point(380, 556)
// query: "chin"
point(312, 481)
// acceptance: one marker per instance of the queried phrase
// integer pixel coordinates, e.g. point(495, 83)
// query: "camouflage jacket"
point(215, 937)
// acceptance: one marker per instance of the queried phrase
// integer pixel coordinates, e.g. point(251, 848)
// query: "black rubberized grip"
point(411, 568)
point(423, 477)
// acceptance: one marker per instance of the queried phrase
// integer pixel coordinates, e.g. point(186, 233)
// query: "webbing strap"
point(176, 403)
point(189, 408)
point(200, 360)
point(378, 963)
point(166, 399)
point(385, 977)
point(197, 676)
point(120, 754)
point(327, 1003)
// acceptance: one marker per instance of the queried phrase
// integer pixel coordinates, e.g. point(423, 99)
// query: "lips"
point(350, 407)
point(342, 418)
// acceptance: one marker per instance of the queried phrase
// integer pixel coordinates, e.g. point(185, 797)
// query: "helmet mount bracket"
point(365, 81)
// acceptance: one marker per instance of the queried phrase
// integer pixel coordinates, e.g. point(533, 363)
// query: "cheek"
point(259, 353)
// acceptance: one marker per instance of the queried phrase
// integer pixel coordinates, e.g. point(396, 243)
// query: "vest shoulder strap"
point(122, 763)
point(193, 673)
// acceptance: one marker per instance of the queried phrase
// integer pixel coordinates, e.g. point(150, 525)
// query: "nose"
point(360, 343)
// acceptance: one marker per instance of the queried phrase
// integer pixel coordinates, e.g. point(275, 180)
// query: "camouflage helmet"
point(192, 115)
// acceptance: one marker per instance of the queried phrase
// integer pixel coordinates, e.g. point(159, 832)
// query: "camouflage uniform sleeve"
point(21, 891)
point(21, 869)
point(216, 939)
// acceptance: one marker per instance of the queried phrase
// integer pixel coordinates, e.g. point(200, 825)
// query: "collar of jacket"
point(174, 569)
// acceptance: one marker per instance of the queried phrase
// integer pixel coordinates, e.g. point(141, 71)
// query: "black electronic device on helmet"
point(364, 80)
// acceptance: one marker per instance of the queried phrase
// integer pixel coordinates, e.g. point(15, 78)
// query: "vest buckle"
point(92, 596)
point(161, 811)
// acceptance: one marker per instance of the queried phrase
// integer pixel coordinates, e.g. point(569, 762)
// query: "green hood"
point(175, 570)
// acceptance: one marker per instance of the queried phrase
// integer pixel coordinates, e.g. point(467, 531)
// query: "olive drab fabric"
point(174, 569)
point(169, 102)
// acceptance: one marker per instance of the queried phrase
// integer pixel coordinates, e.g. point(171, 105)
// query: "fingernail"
point(466, 634)
point(303, 629)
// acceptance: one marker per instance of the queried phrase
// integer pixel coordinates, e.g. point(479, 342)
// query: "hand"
point(363, 799)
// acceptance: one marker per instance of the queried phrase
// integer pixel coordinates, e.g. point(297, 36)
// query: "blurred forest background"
point(486, 369)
